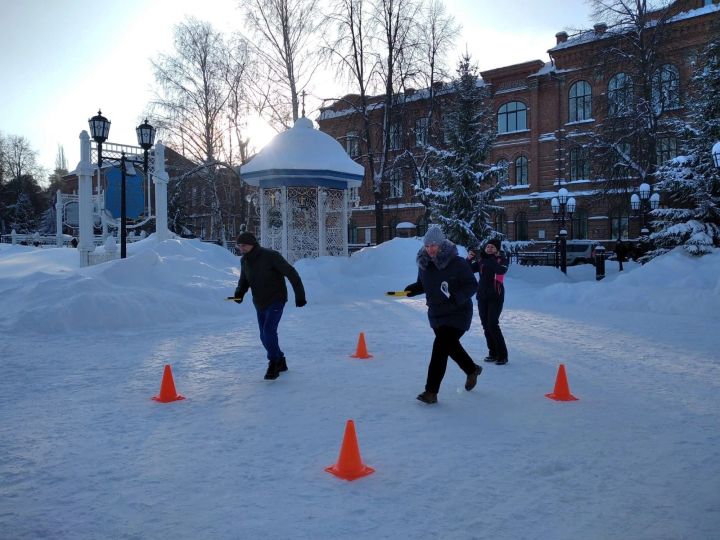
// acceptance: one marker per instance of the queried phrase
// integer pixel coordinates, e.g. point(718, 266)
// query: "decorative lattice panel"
point(303, 234)
point(272, 230)
point(334, 223)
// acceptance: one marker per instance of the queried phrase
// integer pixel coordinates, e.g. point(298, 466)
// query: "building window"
point(396, 184)
point(521, 226)
point(352, 144)
point(500, 223)
point(580, 224)
point(395, 136)
point(352, 232)
point(502, 170)
point(579, 164)
point(354, 196)
point(665, 149)
point(621, 170)
point(447, 126)
point(421, 131)
point(620, 94)
point(666, 88)
point(521, 171)
point(422, 225)
point(512, 117)
point(619, 219)
point(580, 103)
point(392, 229)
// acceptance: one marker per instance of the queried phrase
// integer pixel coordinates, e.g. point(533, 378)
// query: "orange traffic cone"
point(350, 465)
point(361, 351)
point(561, 391)
point(167, 388)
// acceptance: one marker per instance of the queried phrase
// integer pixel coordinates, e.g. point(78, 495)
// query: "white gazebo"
point(304, 177)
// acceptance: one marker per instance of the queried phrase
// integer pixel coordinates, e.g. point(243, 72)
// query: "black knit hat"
point(246, 238)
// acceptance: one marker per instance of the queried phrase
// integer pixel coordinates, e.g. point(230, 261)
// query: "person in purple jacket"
point(448, 284)
point(492, 266)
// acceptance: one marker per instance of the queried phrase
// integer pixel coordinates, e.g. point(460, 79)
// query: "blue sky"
point(63, 59)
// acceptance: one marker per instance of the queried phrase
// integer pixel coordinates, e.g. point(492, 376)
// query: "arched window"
point(512, 117)
point(521, 226)
point(619, 218)
point(502, 170)
point(666, 88)
point(422, 225)
point(620, 94)
point(580, 224)
point(521, 171)
point(579, 164)
point(392, 228)
point(580, 104)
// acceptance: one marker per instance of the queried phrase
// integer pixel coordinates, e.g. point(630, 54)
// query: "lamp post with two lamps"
point(99, 130)
point(641, 203)
point(563, 207)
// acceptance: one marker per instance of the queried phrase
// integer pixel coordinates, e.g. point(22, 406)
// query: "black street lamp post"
point(99, 130)
point(641, 203)
point(563, 207)
point(146, 138)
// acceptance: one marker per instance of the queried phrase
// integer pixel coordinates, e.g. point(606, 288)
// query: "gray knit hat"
point(434, 235)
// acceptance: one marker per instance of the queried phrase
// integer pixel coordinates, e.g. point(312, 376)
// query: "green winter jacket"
point(263, 271)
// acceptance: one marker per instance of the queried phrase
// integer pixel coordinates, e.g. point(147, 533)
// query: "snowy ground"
point(86, 454)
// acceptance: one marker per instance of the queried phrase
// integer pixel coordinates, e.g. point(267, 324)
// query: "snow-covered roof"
point(591, 35)
point(303, 156)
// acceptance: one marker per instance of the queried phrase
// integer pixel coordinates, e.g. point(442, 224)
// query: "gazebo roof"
point(303, 156)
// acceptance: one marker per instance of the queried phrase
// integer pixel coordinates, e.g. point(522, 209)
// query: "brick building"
point(546, 112)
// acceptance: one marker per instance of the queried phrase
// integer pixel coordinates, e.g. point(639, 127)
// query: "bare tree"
point(18, 158)
point(198, 100)
point(375, 47)
point(285, 45)
point(641, 90)
point(438, 31)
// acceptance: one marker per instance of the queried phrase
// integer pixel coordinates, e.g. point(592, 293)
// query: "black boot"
point(282, 365)
point(428, 397)
point(272, 372)
point(490, 359)
point(472, 378)
point(501, 361)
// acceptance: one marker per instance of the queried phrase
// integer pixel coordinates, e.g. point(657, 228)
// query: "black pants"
point(447, 343)
point(490, 310)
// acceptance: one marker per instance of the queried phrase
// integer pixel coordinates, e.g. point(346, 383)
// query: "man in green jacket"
point(263, 271)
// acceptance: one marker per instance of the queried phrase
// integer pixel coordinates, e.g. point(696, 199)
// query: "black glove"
point(238, 296)
point(300, 302)
point(412, 290)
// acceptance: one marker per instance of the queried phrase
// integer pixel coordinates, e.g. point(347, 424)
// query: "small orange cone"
point(167, 388)
point(361, 351)
point(561, 391)
point(349, 465)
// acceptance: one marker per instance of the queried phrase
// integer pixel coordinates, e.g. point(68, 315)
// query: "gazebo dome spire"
point(303, 156)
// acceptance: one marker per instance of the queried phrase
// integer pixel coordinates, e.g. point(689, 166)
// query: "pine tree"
point(23, 218)
point(690, 184)
point(464, 189)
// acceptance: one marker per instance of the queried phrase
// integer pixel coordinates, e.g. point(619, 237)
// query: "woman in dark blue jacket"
point(448, 284)
point(491, 296)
